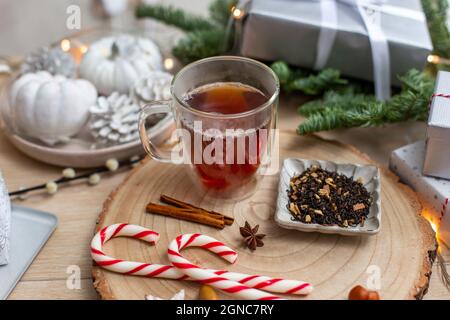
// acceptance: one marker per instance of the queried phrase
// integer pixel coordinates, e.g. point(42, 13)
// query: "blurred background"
point(28, 24)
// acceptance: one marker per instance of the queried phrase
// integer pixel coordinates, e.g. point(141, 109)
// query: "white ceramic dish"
point(77, 153)
point(371, 179)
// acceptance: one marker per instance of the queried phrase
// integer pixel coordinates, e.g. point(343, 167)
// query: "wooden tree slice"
point(401, 254)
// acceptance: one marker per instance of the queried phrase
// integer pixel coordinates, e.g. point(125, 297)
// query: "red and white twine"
point(232, 282)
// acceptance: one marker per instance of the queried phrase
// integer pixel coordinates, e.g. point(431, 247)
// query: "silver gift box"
point(437, 156)
point(289, 30)
point(407, 163)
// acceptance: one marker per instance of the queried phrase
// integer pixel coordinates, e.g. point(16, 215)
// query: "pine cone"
point(154, 87)
point(114, 120)
point(53, 60)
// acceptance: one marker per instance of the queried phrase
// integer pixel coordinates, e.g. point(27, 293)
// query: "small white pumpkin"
point(51, 108)
point(117, 63)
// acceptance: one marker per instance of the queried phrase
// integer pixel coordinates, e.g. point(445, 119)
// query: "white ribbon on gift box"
point(370, 13)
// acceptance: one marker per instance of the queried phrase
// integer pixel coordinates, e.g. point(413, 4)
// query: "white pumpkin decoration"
point(117, 63)
point(51, 108)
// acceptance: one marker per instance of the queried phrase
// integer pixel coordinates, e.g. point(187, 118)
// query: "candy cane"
point(207, 276)
point(169, 272)
point(130, 267)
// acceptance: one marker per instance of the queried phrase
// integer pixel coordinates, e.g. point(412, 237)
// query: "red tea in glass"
point(239, 154)
point(225, 110)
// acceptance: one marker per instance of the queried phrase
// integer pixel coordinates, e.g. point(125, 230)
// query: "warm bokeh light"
point(433, 226)
point(427, 215)
point(237, 13)
point(168, 63)
point(65, 45)
point(74, 47)
point(83, 49)
point(433, 59)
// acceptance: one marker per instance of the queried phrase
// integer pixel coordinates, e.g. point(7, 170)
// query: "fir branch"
point(206, 37)
point(174, 17)
point(358, 110)
point(220, 10)
point(436, 13)
point(200, 44)
point(282, 70)
point(363, 115)
point(335, 100)
point(312, 84)
point(316, 84)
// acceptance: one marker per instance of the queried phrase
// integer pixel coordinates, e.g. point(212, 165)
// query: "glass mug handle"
point(148, 110)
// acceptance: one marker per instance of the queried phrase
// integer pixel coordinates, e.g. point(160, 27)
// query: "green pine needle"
point(316, 84)
point(205, 37)
point(335, 100)
point(359, 110)
point(174, 17)
point(219, 11)
point(311, 84)
point(282, 70)
point(200, 44)
point(436, 13)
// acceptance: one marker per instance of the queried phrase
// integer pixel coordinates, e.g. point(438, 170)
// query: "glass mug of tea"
point(225, 110)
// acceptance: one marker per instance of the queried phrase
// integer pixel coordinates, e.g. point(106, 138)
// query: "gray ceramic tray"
point(30, 229)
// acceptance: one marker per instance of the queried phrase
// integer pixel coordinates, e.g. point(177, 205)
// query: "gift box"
point(365, 40)
point(407, 163)
point(437, 156)
point(5, 222)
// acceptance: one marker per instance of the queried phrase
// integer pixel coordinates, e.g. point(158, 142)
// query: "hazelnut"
point(361, 293)
point(358, 293)
point(373, 295)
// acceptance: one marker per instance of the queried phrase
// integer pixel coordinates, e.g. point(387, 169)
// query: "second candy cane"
point(207, 276)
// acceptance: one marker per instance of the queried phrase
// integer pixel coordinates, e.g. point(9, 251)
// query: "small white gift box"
point(437, 154)
point(5, 222)
point(407, 163)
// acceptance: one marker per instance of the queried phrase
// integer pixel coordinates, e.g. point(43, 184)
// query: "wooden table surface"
point(77, 206)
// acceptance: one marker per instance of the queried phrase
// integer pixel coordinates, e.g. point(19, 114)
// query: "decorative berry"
point(94, 179)
point(112, 164)
point(51, 187)
point(68, 173)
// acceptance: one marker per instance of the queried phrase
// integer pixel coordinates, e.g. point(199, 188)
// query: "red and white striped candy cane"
point(276, 285)
point(169, 272)
point(130, 267)
point(207, 276)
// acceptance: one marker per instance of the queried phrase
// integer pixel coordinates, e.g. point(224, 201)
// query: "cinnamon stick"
point(181, 204)
point(186, 214)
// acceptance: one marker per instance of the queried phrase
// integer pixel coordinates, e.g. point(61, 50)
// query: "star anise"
point(251, 237)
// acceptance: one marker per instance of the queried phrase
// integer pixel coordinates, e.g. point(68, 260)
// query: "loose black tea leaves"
point(328, 198)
